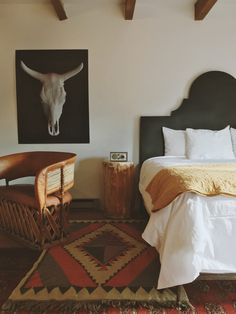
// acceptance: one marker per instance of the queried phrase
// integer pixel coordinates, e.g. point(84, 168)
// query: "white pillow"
point(233, 137)
point(208, 144)
point(174, 142)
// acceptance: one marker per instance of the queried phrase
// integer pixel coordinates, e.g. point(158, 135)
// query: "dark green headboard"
point(211, 105)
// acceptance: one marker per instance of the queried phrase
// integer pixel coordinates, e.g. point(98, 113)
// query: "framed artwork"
point(118, 156)
point(52, 96)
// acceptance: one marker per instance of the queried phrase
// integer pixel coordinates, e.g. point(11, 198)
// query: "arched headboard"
point(211, 105)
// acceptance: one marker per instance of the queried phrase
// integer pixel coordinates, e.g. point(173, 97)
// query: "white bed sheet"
point(194, 234)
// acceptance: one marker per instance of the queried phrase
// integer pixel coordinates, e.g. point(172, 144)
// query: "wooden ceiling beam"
point(59, 8)
point(129, 9)
point(202, 8)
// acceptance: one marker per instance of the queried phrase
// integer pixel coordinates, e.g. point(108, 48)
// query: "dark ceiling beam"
point(129, 9)
point(59, 8)
point(202, 8)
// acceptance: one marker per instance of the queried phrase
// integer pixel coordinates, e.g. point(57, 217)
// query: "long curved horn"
point(72, 73)
point(37, 75)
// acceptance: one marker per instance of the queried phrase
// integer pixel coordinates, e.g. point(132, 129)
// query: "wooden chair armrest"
point(10, 169)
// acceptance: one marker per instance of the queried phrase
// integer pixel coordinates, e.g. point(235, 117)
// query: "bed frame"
point(211, 105)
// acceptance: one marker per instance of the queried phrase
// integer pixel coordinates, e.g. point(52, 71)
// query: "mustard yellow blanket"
point(207, 179)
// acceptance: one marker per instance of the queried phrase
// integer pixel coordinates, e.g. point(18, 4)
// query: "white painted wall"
point(139, 67)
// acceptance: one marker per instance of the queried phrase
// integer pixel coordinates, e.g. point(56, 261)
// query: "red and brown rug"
point(212, 296)
point(104, 265)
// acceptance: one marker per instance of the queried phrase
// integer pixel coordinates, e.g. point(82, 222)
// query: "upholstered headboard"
point(211, 105)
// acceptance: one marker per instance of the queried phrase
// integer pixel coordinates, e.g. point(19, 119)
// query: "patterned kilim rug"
point(212, 296)
point(104, 264)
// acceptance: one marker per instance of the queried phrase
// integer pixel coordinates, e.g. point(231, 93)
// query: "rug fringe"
point(98, 307)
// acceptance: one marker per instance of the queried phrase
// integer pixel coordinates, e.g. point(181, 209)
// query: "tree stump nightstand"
point(118, 188)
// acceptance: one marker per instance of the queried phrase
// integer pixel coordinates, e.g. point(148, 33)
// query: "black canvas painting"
point(52, 96)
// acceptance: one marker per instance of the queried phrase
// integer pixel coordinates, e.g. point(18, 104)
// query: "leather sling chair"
point(36, 213)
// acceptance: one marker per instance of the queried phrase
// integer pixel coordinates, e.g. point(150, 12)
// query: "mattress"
point(194, 234)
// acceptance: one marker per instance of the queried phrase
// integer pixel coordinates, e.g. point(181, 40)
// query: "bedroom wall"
point(139, 67)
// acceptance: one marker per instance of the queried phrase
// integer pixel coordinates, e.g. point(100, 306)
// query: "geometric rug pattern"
point(212, 296)
point(105, 251)
point(103, 263)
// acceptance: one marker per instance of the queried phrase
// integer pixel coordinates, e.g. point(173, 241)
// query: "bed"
point(194, 234)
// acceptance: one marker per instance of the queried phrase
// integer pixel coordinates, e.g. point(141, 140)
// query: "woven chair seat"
point(24, 194)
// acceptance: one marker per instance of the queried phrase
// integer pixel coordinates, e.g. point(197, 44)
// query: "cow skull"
point(53, 94)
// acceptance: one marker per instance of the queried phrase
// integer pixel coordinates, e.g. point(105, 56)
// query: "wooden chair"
point(36, 213)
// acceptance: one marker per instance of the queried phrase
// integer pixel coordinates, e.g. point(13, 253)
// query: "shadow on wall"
point(88, 179)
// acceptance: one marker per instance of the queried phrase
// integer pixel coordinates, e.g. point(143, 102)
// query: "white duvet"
point(193, 234)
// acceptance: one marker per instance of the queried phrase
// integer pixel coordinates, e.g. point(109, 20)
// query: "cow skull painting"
point(53, 94)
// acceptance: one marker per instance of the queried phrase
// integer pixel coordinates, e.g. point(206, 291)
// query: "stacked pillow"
point(174, 141)
point(200, 143)
point(233, 137)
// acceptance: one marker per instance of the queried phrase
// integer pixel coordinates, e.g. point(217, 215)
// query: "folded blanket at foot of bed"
point(205, 179)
